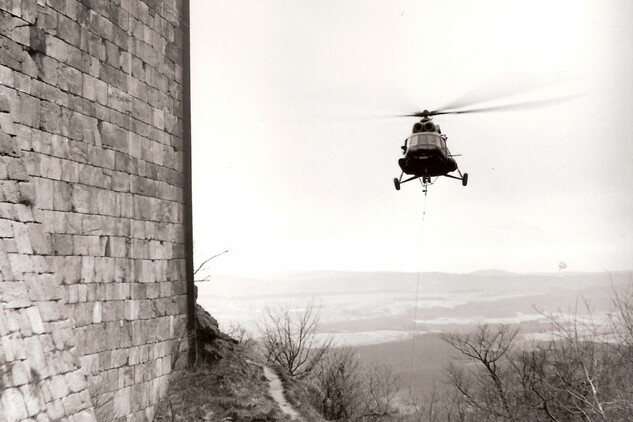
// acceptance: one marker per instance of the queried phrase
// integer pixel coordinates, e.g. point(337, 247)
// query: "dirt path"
point(277, 393)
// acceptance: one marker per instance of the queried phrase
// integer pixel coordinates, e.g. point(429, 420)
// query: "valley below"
point(398, 318)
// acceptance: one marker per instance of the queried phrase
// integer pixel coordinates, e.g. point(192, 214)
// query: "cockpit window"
point(427, 140)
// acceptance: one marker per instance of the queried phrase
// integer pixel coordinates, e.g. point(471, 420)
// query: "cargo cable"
point(417, 292)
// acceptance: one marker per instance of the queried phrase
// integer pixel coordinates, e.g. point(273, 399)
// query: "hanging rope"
point(417, 291)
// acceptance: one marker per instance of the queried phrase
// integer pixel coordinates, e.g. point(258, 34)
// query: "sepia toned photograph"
point(363, 211)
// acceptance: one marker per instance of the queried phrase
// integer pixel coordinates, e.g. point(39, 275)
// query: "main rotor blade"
point(520, 106)
point(506, 85)
point(417, 114)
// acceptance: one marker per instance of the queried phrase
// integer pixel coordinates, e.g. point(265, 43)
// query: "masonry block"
point(6, 124)
point(96, 247)
point(6, 228)
point(43, 287)
point(62, 201)
point(8, 145)
point(114, 136)
point(35, 318)
point(37, 40)
point(13, 403)
point(26, 194)
point(87, 269)
point(14, 294)
point(63, 337)
point(54, 408)
point(32, 400)
point(68, 269)
point(49, 310)
point(22, 240)
point(68, 30)
point(16, 169)
point(39, 240)
point(44, 191)
point(50, 117)
point(19, 373)
point(122, 401)
point(73, 403)
point(62, 244)
point(35, 355)
point(7, 79)
point(7, 349)
point(95, 89)
point(70, 79)
point(58, 387)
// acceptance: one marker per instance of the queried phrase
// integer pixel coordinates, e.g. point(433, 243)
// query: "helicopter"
point(425, 154)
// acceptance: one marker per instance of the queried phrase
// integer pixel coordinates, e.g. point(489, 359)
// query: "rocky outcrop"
point(213, 344)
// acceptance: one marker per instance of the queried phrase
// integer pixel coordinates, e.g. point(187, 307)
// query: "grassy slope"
point(233, 388)
point(228, 388)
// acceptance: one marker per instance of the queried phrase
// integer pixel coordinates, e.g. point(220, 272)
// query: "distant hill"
point(336, 282)
point(493, 273)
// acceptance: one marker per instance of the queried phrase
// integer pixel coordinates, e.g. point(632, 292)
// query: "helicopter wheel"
point(465, 179)
point(396, 183)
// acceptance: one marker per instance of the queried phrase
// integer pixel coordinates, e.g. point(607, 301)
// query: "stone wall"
point(92, 269)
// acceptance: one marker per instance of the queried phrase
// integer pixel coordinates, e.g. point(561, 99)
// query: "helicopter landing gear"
point(398, 181)
point(464, 177)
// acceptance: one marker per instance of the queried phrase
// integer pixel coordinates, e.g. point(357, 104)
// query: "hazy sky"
point(294, 155)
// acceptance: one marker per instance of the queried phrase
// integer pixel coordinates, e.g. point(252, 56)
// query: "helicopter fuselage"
point(426, 155)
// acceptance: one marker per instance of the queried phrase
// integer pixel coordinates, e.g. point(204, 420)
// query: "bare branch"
point(205, 262)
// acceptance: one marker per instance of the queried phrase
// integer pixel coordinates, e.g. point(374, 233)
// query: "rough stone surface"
point(92, 284)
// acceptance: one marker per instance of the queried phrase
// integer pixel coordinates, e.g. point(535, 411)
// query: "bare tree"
point(531, 372)
point(488, 391)
point(621, 325)
point(380, 388)
point(583, 373)
point(351, 391)
point(289, 339)
point(339, 382)
point(589, 365)
point(621, 319)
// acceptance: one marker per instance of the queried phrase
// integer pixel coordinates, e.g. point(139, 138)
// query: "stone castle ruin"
point(93, 214)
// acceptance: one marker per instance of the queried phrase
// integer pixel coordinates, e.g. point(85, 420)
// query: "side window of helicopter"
point(442, 144)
